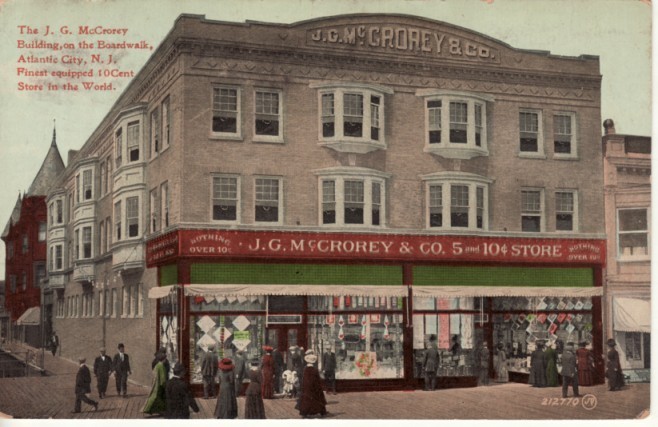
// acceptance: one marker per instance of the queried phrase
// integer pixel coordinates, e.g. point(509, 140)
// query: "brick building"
point(357, 183)
point(25, 264)
point(627, 171)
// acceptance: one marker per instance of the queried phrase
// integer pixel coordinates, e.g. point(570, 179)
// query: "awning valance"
point(31, 317)
point(505, 291)
point(322, 290)
point(161, 291)
point(631, 315)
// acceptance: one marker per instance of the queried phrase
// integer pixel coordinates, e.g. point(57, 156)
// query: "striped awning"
point(505, 291)
point(321, 290)
point(162, 291)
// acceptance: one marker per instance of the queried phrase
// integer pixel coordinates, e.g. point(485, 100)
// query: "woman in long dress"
point(551, 366)
point(253, 406)
point(157, 401)
point(312, 401)
point(267, 368)
point(227, 404)
point(613, 368)
point(538, 366)
point(585, 365)
point(500, 362)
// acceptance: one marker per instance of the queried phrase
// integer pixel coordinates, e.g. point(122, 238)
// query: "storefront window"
point(228, 303)
point(354, 303)
point(368, 345)
point(169, 327)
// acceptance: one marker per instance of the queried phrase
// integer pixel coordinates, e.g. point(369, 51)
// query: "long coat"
point(227, 404)
point(551, 367)
point(312, 401)
point(569, 367)
point(157, 400)
point(500, 365)
point(253, 406)
point(179, 399)
point(537, 369)
point(613, 370)
point(431, 359)
point(585, 366)
point(267, 368)
point(83, 380)
point(209, 364)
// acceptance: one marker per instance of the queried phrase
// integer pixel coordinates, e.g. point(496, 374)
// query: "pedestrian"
point(209, 372)
point(82, 387)
point(253, 407)
point(239, 371)
point(538, 366)
point(279, 365)
point(569, 371)
point(121, 368)
point(156, 359)
point(54, 343)
point(585, 365)
point(484, 364)
point(296, 364)
point(613, 368)
point(312, 401)
point(267, 369)
point(431, 364)
point(179, 396)
point(500, 364)
point(102, 371)
point(551, 366)
point(329, 369)
point(156, 402)
point(227, 405)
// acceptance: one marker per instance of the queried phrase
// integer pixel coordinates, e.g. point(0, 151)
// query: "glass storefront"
point(168, 325)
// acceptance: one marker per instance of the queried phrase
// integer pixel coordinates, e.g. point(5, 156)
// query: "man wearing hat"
point(121, 368)
point(179, 396)
point(569, 371)
point(538, 366)
point(82, 387)
point(312, 400)
point(227, 404)
point(209, 372)
point(613, 368)
point(431, 364)
point(102, 371)
point(239, 371)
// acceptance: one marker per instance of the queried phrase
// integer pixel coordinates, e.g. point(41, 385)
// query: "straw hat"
point(310, 357)
point(226, 364)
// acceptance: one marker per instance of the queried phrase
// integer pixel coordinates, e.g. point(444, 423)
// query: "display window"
point(168, 324)
point(354, 303)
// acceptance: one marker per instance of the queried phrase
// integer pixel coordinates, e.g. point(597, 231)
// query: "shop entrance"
point(284, 336)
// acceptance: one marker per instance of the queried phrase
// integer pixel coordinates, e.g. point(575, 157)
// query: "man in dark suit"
point(569, 371)
point(329, 369)
point(179, 396)
point(82, 387)
point(209, 371)
point(431, 364)
point(121, 367)
point(102, 371)
point(239, 371)
point(279, 366)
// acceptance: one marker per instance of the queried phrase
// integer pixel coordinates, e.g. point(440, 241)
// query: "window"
point(24, 283)
point(77, 188)
point(108, 178)
point(132, 141)
point(226, 111)
point(458, 122)
point(633, 233)
point(268, 114)
point(56, 252)
point(633, 345)
point(12, 283)
point(77, 244)
point(155, 132)
point(352, 196)
point(59, 211)
point(42, 231)
point(531, 211)
point(118, 147)
point(114, 303)
point(351, 116)
point(108, 233)
point(267, 204)
point(132, 216)
point(101, 237)
point(26, 245)
point(153, 210)
point(86, 242)
point(563, 134)
point(87, 183)
point(103, 172)
point(39, 274)
point(565, 211)
point(117, 220)
point(225, 199)
point(166, 121)
point(434, 121)
point(456, 200)
point(530, 132)
point(164, 198)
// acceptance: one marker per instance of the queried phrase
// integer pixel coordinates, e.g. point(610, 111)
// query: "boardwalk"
point(51, 396)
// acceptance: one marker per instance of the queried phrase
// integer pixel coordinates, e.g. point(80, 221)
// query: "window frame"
point(573, 212)
point(573, 154)
point(133, 208)
point(618, 233)
point(238, 112)
point(133, 141)
point(280, 205)
point(542, 210)
point(279, 114)
point(165, 208)
point(238, 199)
point(540, 152)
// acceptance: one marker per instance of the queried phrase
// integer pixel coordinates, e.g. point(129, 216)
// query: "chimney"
point(609, 127)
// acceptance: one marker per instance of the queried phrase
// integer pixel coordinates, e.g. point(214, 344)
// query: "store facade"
point(374, 299)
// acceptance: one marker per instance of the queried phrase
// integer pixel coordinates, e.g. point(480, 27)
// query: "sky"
point(618, 31)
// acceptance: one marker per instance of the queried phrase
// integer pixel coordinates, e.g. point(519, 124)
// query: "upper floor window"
point(226, 111)
point(455, 123)
point(530, 133)
point(633, 233)
point(87, 185)
point(166, 123)
point(103, 178)
point(352, 196)
point(132, 216)
point(117, 220)
point(26, 243)
point(154, 206)
point(132, 141)
point(456, 200)
point(226, 198)
point(118, 147)
point(564, 136)
point(267, 117)
point(12, 283)
point(108, 177)
point(56, 257)
point(532, 211)
point(42, 231)
point(565, 211)
point(155, 132)
point(59, 211)
point(267, 204)
point(351, 116)
point(86, 243)
point(164, 199)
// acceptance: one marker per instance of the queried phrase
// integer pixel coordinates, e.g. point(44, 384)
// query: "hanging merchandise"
point(375, 318)
point(352, 319)
point(570, 305)
point(587, 305)
point(386, 323)
point(561, 317)
point(561, 305)
point(552, 304)
point(330, 319)
point(348, 301)
point(579, 305)
point(375, 302)
point(552, 317)
point(542, 304)
point(336, 302)
point(362, 335)
point(383, 301)
point(341, 322)
point(552, 329)
point(198, 299)
point(359, 301)
point(541, 318)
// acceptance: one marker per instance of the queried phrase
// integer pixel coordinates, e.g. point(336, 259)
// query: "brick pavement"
point(51, 396)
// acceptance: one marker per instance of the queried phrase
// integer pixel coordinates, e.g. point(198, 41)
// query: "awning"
point(31, 317)
point(505, 291)
point(323, 290)
point(631, 315)
point(161, 291)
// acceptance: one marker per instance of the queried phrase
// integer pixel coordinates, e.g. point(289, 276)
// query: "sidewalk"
point(52, 396)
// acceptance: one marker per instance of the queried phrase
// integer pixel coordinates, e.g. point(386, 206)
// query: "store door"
point(285, 336)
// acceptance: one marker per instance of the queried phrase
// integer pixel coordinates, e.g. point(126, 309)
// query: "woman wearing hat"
point(538, 366)
point(613, 368)
point(253, 406)
point(585, 365)
point(267, 368)
point(156, 402)
point(312, 401)
point(227, 404)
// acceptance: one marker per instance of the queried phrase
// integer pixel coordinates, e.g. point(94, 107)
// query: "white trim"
point(541, 152)
point(574, 136)
point(318, 290)
point(237, 135)
point(268, 138)
point(238, 202)
point(505, 291)
point(280, 208)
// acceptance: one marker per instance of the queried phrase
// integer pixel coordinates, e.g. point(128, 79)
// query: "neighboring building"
point(25, 264)
point(359, 182)
point(4, 315)
point(627, 168)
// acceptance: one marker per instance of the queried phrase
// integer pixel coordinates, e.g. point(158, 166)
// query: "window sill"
point(534, 156)
point(565, 157)
point(268, 140)
point(225, 137)
point(643, 258)
point(353, 146)
point(456, 151)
